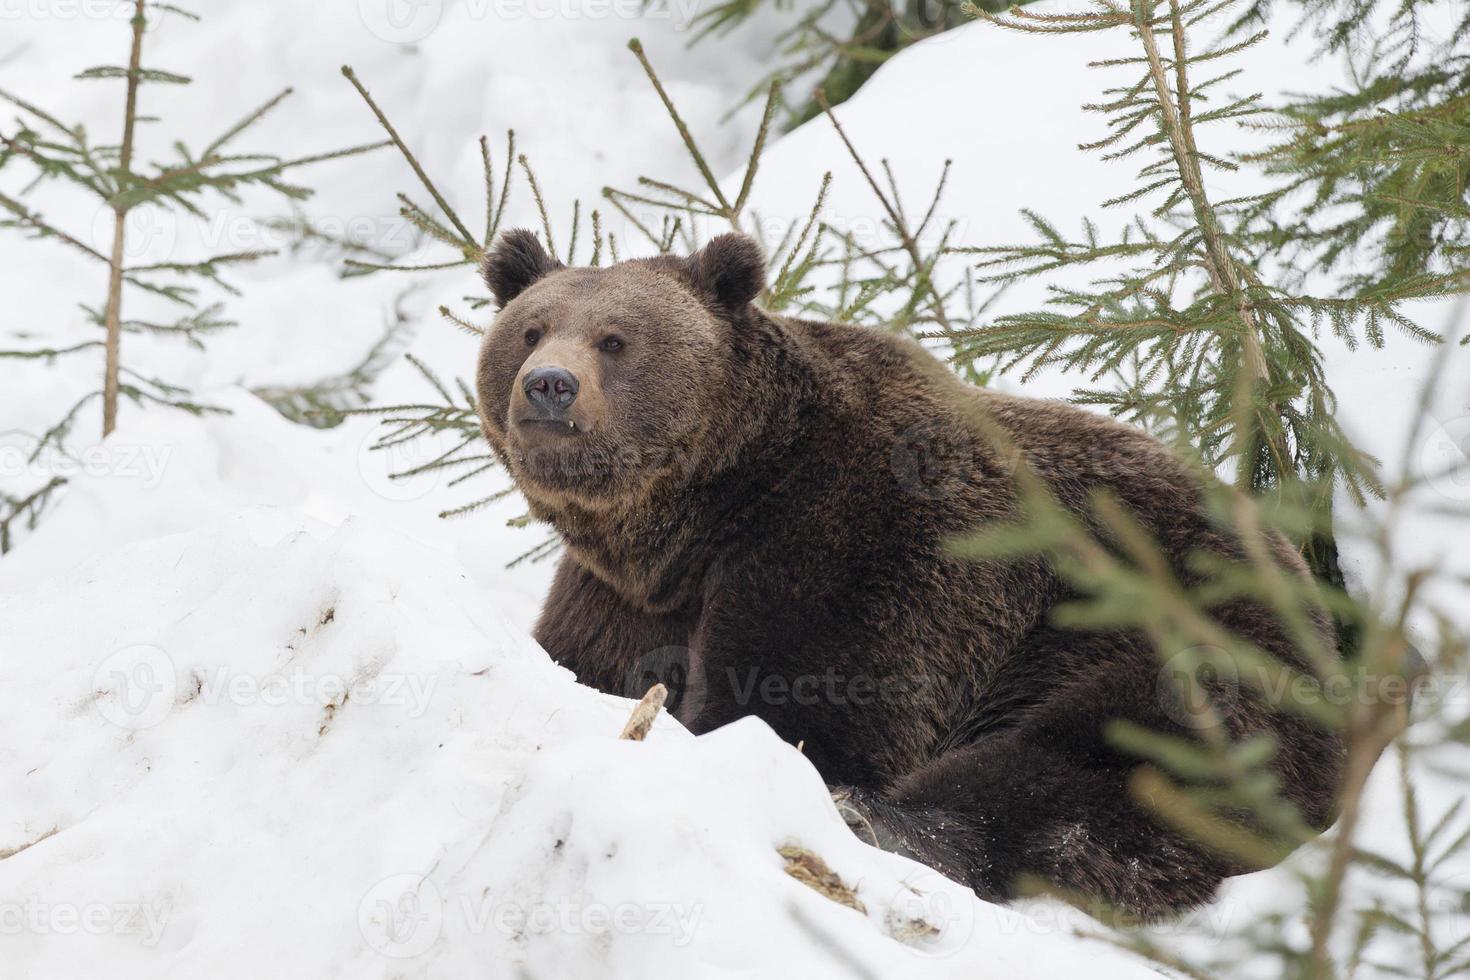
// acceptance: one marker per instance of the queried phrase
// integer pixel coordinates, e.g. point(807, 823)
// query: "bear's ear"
point(730, 269)
point(516, 260)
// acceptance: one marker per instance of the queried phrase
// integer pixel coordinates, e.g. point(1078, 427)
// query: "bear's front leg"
point(606, 641)
point(821, 677)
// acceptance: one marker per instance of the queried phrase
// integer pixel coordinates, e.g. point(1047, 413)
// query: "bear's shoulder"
point(890, 384)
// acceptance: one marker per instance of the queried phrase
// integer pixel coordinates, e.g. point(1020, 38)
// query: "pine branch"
point(704, 169)
point(923, 280)
point(1175, 110)
point(471, 248)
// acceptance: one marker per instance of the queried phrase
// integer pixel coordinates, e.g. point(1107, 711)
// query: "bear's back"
point(916, 413)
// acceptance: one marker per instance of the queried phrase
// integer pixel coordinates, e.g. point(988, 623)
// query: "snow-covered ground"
point(263, 714)
point(253, 733)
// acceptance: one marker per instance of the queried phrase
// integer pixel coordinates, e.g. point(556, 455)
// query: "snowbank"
point(244, 737)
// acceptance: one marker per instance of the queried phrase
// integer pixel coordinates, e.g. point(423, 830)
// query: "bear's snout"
point(551, 390)
point(557, 396)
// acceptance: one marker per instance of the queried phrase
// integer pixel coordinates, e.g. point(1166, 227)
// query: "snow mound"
point(246, 734)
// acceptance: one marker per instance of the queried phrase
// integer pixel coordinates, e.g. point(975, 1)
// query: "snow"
point(265, 715)
point(252, 731)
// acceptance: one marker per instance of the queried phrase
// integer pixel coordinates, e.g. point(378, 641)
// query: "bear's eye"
point(611, 344)
point(532, 336)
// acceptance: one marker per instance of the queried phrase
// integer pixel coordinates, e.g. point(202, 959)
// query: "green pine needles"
point(175, 190)
point(178, 189)
point(1381, 163)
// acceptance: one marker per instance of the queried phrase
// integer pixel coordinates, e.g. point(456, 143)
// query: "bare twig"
point(644, 713)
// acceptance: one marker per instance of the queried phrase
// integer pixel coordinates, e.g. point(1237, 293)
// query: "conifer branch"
point(413, 162)
point(34, 221)
point(48, 353)
point(1174, 109)
point(28, 507)
point(540, 202)
point(636, 47)
point(922, 269)
point(756, 150)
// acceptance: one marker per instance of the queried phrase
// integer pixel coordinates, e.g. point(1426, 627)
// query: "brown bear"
point(760, 511)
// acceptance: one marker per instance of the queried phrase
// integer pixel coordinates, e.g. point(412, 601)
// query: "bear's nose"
point(551, 389)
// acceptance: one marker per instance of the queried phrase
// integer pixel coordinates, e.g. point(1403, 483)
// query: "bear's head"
point(597, 384)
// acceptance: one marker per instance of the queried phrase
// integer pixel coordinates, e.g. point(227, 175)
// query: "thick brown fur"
point(758, 511)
